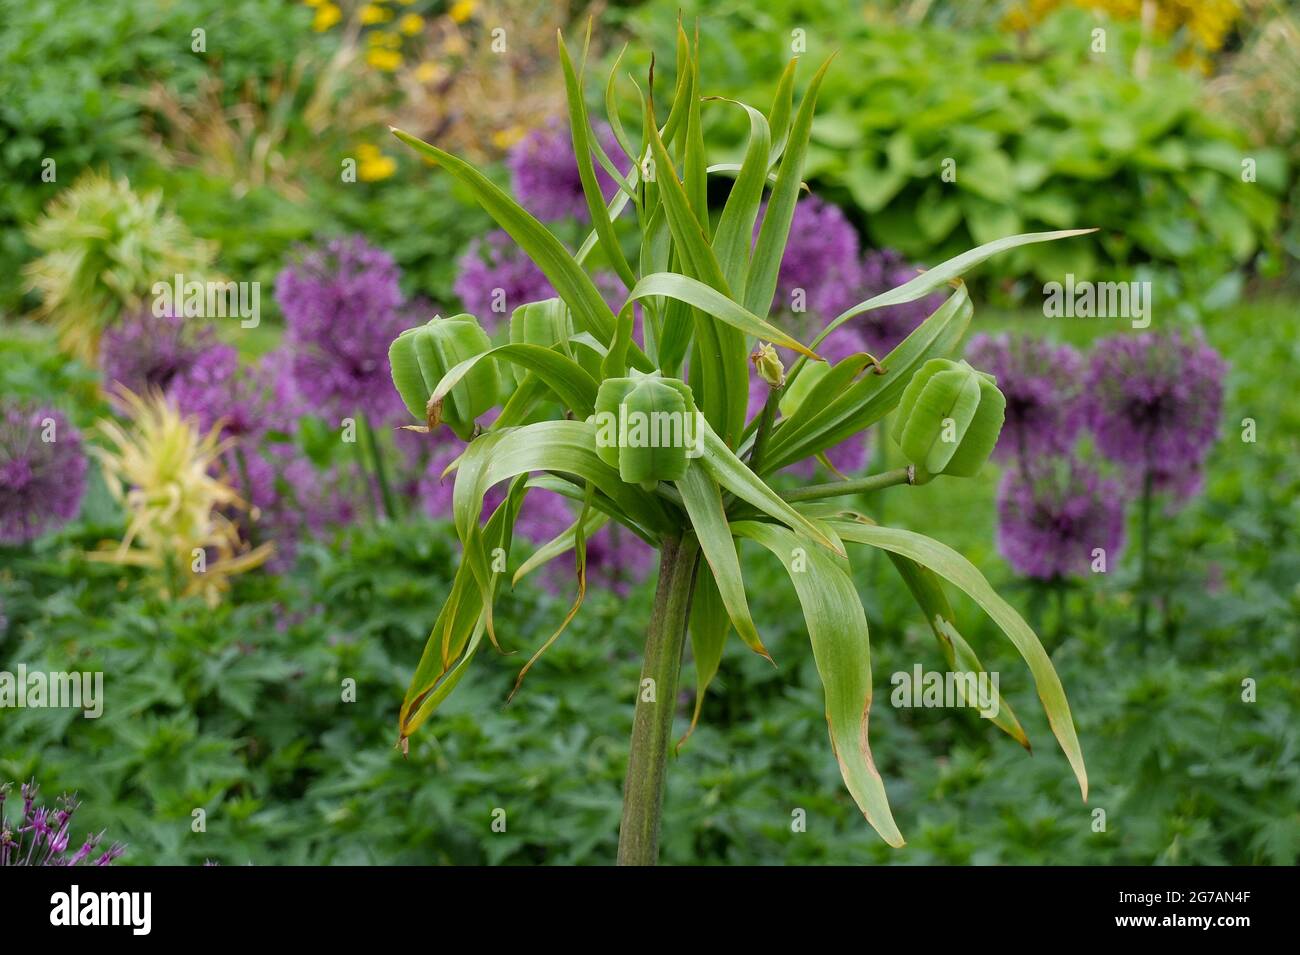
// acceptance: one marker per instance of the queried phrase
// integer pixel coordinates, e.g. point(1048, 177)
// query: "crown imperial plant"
point(703, 283)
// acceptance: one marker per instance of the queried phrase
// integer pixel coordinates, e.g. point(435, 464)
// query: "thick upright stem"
point(652, 723)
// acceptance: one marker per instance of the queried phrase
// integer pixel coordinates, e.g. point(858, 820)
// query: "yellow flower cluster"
point(1207, 22)
point(159, 469)
point(373, 164)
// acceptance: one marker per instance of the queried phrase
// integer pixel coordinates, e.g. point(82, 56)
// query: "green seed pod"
point(546, 323)
point(949, 419)
point(421, 356)
point(647, 427)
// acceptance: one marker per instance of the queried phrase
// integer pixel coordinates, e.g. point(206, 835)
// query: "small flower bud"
point(768, 365)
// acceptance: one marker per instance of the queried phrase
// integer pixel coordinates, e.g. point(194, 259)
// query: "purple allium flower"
point(884, 328)
point(820, 259)
point(217, 387)
point(1153, 401)
point(1054, 514)
point(342, 309)
point(145, 352)
point(42, 472)
point(617, 559)
point(544, 171)
point(1043, 385)
point(495, 277)
point(41, 837)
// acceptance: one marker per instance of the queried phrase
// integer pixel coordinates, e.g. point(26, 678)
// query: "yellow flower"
point(371, 14)
point(373, 165)
point(454, 45)
point(313, 3)
point(462, 10)
point(411, 24)
point(430, 72)
point(326, 16)
point(386, 60)
point(377, 38)
point(160, 470)
point(503, 139)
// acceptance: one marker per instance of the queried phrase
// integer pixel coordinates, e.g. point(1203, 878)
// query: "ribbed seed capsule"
point(421, 356)
point(546, 323)
point(949, 419)
point(646, 427)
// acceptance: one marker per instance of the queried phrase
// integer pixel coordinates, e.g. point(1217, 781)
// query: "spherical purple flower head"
point(544, 172)
point(820, 264)
point(884, 328)
point(1043, 385)
point(341, 305)
point(1153, 402)
point(146, 352)
point(1053, 515)
point(217, 387)
point(495, 277)
point(42, 472)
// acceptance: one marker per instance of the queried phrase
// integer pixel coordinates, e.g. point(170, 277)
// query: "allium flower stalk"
point(42, 836)
point(1043, 385)
point(1053, 517)
point(42, 472)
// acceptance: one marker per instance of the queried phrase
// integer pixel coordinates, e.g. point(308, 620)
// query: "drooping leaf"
point(709, 625)
point(837, 627)
point(703, 502)
point(957, 570)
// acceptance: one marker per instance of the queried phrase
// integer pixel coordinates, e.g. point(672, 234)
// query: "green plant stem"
point(765, 419)
point(377, 462)
point(1144, 564)
point(652, 723)
point(872, 482)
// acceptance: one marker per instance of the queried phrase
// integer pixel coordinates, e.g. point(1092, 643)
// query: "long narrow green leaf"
point(928, 593)
point(837, 627)
point(569, 380)
point(697, 294)
point(733, 474)
point(703, 502)
point(778, 116)
point(775, 230)
point(940, 275)
point(957, 570)
point(709, 625)
point(457, 631)
point(581, 129)
point(735, 235)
